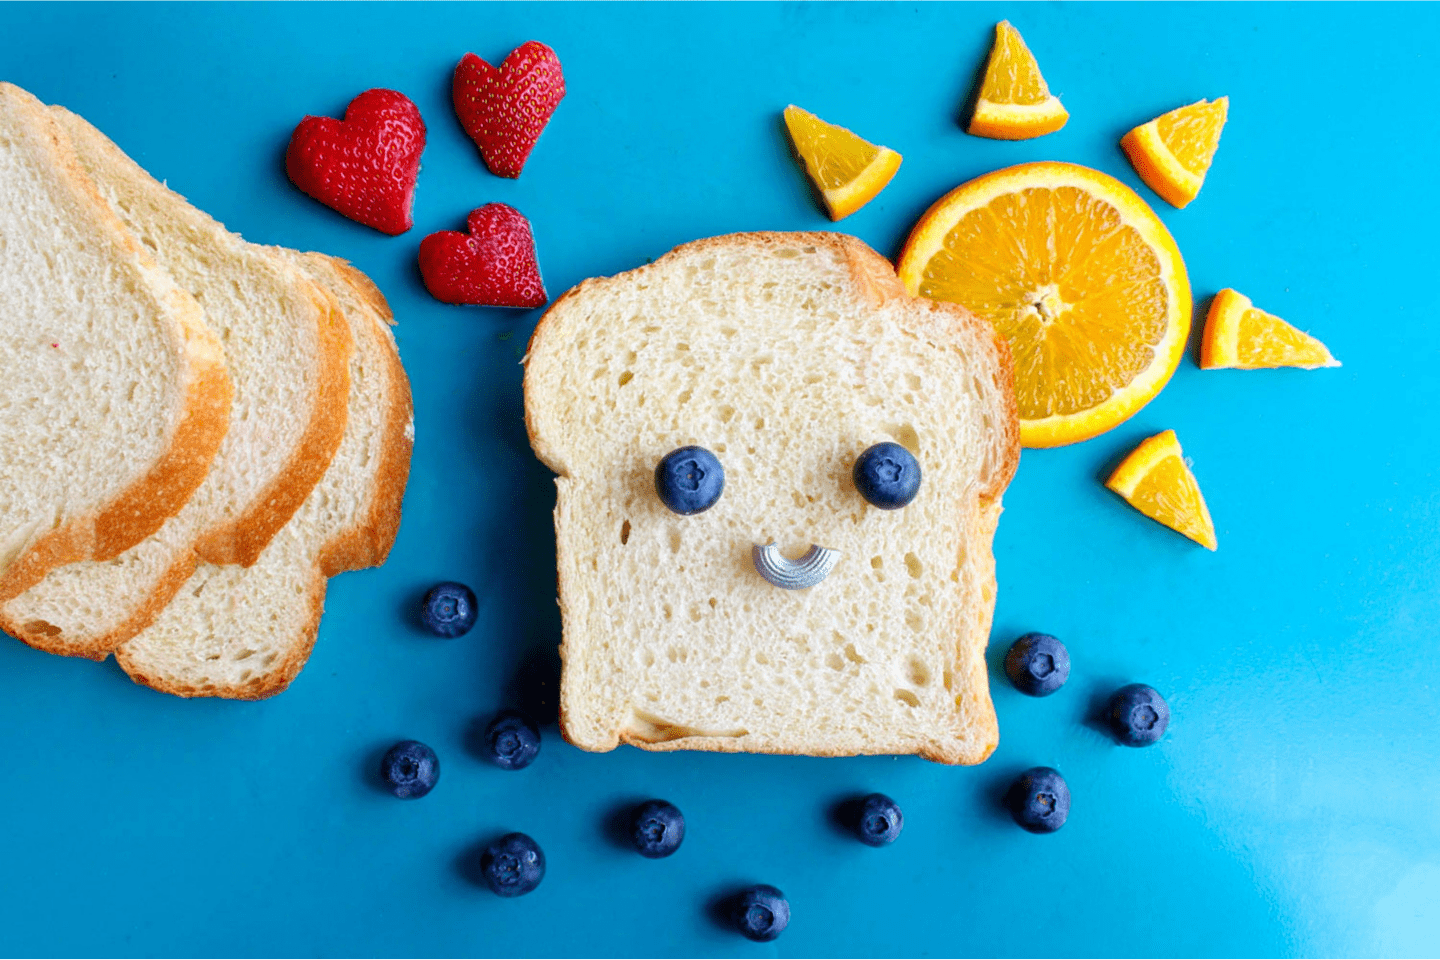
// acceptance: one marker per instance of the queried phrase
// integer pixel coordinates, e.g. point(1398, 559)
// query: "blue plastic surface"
point(1292, 808)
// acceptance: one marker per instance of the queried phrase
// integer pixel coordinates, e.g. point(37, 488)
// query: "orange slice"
point(1077, 273)
point(1238, 335)
point(1155, 480)
point(1014, 103)
point(1172, 152)
point(847, 170)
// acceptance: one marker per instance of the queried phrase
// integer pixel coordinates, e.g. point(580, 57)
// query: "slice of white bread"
point(786, 355)
point(287, 349)
point(245, 632)
point(113, 392)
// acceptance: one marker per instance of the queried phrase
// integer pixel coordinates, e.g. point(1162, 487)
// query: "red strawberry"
point(493, 265)
point(504, 110)
point(365, 165)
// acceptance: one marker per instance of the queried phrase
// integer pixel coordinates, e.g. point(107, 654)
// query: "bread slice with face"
point(786, 356)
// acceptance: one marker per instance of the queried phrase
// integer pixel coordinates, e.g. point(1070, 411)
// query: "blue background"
point(1293, 807)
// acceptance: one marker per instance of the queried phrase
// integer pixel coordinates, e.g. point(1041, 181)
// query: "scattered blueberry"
point(657, 829)
point(1138, 715)
point(880, 820)
point(1039, 800)
point(449, 609)
point(762, 913)
point(410, 769)
point(512, 741)
point(513, 865)
point(689, 480)
point(1038, 664)
point(887, 475)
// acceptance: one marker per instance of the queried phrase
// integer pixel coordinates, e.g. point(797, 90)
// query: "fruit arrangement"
point(1073, 268)
point(366, 167)
point(1083, 280)
point(1076, 271)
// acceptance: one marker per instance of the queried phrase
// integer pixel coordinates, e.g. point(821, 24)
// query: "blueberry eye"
point(689, 480)
point(887, 475)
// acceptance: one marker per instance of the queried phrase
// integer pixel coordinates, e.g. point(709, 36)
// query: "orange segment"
point(1238, 335)
point(847, 170)
point(1173, 152)
point(1014, 103)
point(1155, 480)
point(1079, 276)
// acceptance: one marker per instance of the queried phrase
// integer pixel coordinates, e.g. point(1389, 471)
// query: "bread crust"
point(143, 506)
point(874, 275)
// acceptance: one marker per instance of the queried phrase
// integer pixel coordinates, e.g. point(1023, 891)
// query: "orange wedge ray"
point(1077, 274)
point(1173, 152)
point(1240, 336)
point(1155, 480)
point(848, 170)
point(1015, 103)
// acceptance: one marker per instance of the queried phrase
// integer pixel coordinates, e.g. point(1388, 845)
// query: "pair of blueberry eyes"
point(690, 480)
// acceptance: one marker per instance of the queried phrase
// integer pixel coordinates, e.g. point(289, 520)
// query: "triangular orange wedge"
point(1238, 335)
point(1155, 480)
point(1015, 103)
point(1172, 153)
point(847, 170)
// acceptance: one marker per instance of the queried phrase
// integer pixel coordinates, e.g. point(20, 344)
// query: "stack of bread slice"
point(207, 429)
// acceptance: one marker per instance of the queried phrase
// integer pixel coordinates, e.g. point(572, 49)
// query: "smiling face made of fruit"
point(779, 477)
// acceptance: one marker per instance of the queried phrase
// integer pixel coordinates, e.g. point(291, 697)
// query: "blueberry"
point(449, 609)
point(1039, 800)
point(657, 829)
point(887, 475)
point(762, 912)
point(1138, 715)
point(689, 480)
point(880, 820)
point(512, 741)
point(1038, 664)
point(513, 865)
point(410, 769)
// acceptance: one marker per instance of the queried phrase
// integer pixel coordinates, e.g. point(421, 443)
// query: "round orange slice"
point(1015, 103)
point(1238, 335)
point(1077, 273)
point(1172, 153)
point(1155, 480)
point(847, 170)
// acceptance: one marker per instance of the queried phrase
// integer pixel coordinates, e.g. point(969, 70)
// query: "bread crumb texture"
point(787, 355)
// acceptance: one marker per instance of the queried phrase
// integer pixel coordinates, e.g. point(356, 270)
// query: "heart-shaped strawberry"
point(505, 109)
point(493, 265)
point(365, 165)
